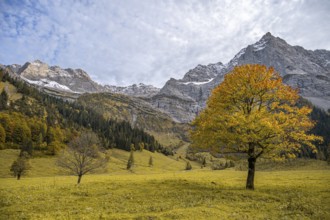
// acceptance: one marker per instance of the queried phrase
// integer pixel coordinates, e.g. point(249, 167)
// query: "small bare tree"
point(83, 156)
point(20, 166)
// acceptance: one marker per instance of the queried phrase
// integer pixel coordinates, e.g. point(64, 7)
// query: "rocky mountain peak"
point(54, 77)
point(79, 73)
point(136, 90)
point(306, 70)
point(268, 44)
point(72, 80)
point(14, 67)
point(268, 36)
point(38, 62)
point(202, 73)
point(34, 70)
point(183, 99)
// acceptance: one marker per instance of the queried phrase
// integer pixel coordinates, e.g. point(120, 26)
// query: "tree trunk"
point(18, 176)
point(79, 179)
point(250, 177)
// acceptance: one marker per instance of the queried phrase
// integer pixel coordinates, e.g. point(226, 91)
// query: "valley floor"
point(196, 194)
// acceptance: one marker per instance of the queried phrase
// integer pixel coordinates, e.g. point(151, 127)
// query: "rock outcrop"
point(307, 70)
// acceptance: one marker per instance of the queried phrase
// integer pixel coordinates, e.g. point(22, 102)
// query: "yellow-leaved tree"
point(253, 112)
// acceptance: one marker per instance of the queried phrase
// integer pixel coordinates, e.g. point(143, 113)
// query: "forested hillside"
point(138, 113)
point(36, 122)
point(322, 128)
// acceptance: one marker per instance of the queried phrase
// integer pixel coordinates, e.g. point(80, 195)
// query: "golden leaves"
point(252, 105)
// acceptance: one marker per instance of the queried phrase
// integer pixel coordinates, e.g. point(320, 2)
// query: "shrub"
point(188, 166)
point(20, 166)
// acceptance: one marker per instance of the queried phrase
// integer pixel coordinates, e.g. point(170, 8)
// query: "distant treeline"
point(322, 128)
point(38, 121)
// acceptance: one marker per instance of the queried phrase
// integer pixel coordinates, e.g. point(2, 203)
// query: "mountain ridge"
point(306, 70)
point(183, 99)
point(75, 81)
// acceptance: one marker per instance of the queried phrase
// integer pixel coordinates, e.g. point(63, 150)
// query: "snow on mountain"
point(56, 78)
point(234, 61)
point(36, 63)
point(73, 80)
point(49, 84)
point(260, 45)
point(198, 83)
point(202, 73)
point(183, 99)
point(306, 70)
point(140, 90)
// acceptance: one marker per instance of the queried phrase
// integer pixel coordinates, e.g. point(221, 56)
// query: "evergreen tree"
point(188, 166)
point(21, 134)
point(2, 137)
point(141, 146)
point(130, 162)
point(2, 75)
point(3, 100)
point(200, 93)
point(27, 147)
point(132, 147)
point(322, 128)
point(45, 114)
point(204, 162)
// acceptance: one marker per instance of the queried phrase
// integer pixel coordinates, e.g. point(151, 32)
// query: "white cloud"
point(125, 42)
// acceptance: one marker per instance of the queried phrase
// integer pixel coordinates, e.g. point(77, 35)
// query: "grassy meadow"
point(11, 90)
point(164, 191)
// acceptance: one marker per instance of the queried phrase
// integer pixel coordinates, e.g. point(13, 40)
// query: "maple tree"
point(254, 113)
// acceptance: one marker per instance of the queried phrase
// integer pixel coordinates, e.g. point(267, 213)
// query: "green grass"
point(7, 157)
point(40, 166)
point(161, 163)
point(166, 139)
point(293, 164)
point(12, 91)
point(164, 191)
point(176, 195)
point(45, 166)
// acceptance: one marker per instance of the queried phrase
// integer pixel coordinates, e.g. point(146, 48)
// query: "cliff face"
point(54, 77)
point(183, 99)
point(307, 70)
point(72, 80)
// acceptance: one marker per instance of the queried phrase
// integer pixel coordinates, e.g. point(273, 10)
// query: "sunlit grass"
point(7, 157)
point(164, 191)
point(166, 138)
point(45, 166)
point(177, 195)
point(12, 91)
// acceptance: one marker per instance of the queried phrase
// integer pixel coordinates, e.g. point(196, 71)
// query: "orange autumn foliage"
point(253, 112)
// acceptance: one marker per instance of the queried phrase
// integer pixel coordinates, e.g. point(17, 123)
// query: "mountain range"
point(307, 70)
point(182, 99)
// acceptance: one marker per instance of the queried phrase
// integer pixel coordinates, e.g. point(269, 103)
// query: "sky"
point(121, 42)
